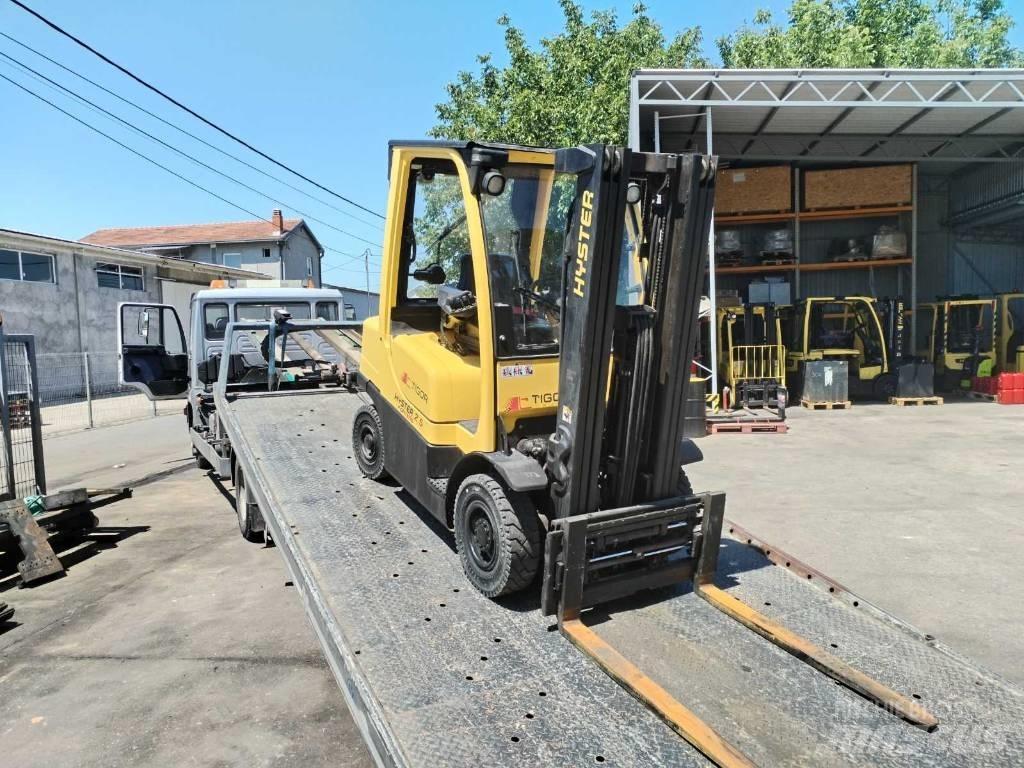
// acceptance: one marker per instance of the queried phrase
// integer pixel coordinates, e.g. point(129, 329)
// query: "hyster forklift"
point(957, 334)
point(842, 328)
point(751, 357)
point(536, 417)
point(1010, 339)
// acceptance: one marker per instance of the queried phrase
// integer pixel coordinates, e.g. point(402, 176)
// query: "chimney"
point(277, 221)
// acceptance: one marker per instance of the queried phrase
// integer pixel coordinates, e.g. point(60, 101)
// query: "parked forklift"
point(1010, 339)
point(751, 357)
point(846, 328)
point(957, 334)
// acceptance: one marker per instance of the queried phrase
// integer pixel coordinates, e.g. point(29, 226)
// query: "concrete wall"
point(295, 252)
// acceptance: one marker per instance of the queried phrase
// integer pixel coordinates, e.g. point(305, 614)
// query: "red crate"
point(1010, 397)
point(1017, 381)
point(1004, 382)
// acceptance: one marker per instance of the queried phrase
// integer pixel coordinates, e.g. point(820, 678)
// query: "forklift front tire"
point(247, 510)
point(497, 536)
point(885, 386)
point(368, 443)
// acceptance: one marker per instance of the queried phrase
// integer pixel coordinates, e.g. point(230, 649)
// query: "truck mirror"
point(144, 324)
point(432, 274)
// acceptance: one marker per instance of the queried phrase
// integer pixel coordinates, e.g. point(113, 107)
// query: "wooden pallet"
point(747, 427)
point(982, 396)
point(849, 259)
point(933, 400)
point(826, 405)
point(777, 262)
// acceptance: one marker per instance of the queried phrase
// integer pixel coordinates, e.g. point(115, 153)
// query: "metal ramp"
point(437, 675)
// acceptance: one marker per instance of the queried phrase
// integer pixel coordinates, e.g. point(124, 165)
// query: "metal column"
point(913, 256)
point(713, 320)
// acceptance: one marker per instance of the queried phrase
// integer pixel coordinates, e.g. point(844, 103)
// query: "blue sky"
point(320, 85)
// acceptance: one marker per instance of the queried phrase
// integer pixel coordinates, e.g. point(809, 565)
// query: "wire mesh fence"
point(21, 469)
point(81, 391)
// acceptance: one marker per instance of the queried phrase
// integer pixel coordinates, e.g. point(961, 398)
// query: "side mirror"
point(433, 274)
point(144, 324)
point(208, 370)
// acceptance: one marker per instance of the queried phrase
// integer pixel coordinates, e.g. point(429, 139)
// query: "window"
point(26, 267)
point(309, 266)
point(265, 311)
point(120, 276)
point(215, 319)
point(266, 253)
point(350, 312)
point(435, 232)
point(327, 310)
point(233, 260)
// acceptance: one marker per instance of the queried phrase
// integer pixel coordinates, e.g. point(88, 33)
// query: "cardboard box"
point(754, 190)
point(872, 187)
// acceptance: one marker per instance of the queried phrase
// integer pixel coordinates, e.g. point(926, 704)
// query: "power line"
point(154, 162)
point(191, 135)
point(192, 112)
point(171, 147)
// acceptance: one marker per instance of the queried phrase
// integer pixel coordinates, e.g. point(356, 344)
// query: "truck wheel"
point(201, 461)
point(368, 443)
point(246, 510)
point(496, 535)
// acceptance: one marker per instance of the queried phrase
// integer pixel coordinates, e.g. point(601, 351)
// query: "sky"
point(320, 85)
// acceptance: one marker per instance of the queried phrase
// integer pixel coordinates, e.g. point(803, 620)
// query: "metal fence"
point(80, 391)
point(21, 461)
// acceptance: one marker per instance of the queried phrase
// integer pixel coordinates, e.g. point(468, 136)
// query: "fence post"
point(88, 388)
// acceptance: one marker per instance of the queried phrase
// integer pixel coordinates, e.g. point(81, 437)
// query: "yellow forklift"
point(1010, 338)
point(842, 328)
point(957, 334)
point(751, 357)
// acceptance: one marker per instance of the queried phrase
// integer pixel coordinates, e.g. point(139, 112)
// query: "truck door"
point(152, 355)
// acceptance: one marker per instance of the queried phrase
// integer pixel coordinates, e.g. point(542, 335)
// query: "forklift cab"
point(958, 335)
point(843, 328)
point(1010, 339)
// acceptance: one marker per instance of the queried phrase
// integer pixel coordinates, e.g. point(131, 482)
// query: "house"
point(358, 303)
point(66, 293)
point(284, 249)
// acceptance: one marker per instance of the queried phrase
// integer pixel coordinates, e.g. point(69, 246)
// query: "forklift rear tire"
point(884, 387)
point(497, 536)
point(246, 510)
point(368, 443)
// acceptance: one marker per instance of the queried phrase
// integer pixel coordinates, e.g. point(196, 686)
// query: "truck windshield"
point(525, 230)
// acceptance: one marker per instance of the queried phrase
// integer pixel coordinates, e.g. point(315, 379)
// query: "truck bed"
point(437, 675)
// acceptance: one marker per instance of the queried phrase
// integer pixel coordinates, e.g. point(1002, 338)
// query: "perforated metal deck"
point(437, 675)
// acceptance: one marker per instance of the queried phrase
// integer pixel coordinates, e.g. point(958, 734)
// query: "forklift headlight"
point(493, 183)
point(633, 194)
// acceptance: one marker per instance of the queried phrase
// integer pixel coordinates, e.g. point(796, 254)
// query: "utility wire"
point(191, 135)
point(154, 162)
point(191, 111)
point(171, 147)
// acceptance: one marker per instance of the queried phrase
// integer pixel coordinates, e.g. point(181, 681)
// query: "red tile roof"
point(189, 234)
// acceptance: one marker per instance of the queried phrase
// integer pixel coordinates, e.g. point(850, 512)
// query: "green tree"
point(572, 89)
point(876, 33)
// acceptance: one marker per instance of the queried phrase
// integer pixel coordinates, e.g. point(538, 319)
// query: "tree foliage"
point(876, 33)
point(574, 86)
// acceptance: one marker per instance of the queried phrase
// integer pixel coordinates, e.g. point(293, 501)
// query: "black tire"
point(684, 487)
point(201, 461)
point(884, 387)
point(497, 535)
point(246, 510)
point(368, 443)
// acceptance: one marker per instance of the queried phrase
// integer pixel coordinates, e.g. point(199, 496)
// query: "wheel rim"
point(480, 537)
point(242, 505)
point(368, 444)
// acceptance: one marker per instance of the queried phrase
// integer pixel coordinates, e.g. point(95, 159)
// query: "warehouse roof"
point(871, 115)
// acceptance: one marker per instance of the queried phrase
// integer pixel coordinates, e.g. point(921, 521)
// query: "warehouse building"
point(879, 183)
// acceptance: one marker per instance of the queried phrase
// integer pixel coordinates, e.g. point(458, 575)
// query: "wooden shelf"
point(846, 213)
point(830, 265)
point(855, 213)
point(754, 218)
point(755, 269)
